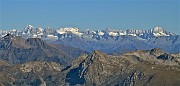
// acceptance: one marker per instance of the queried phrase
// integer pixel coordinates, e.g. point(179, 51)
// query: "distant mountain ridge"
point(31, 31)
point(108, 41)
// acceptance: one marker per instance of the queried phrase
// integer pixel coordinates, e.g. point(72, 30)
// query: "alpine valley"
point(70, 57)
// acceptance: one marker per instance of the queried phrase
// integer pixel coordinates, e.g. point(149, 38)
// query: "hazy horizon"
point(137, 14)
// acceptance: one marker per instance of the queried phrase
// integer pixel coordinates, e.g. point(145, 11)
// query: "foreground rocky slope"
point(137, 68)
point(33, 74)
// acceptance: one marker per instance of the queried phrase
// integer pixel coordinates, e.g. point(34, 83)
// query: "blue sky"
point(91, 14)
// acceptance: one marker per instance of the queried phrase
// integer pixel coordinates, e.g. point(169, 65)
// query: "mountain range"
point(127, 61)
point(108, 41)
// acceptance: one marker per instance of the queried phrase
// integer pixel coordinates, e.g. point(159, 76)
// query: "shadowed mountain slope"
point(15, 50)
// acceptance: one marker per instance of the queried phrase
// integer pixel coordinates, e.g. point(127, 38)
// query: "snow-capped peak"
point(158, 30)
point(100, 33)
point(29, 27)
point(70, 29)
point(111, 33)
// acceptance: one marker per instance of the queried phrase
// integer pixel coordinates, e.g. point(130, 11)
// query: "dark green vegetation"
point(29, 62)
